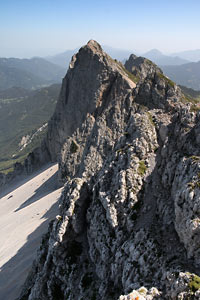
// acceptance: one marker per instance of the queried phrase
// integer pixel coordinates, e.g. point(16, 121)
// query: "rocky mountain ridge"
point(30, 74)
point(128, 152)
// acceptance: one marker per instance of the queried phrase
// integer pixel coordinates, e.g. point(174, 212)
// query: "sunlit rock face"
point(128, 150)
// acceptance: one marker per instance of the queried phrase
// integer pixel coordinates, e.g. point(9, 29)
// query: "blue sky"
point(45, 27)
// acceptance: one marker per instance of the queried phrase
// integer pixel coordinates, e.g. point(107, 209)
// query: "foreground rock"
point(129, 221)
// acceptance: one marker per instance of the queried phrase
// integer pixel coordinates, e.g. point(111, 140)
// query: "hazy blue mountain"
point(63, 59)
point(187, 74)
point(119, 54)
point(192, 55)
point(22, 114)
point(160, 59)
point(28, 73)
point(10, 77)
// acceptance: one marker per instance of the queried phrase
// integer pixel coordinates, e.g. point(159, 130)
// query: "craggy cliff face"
point(91, 76)
point(129, 155)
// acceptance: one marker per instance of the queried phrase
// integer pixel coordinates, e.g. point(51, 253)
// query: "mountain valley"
point(23, 114)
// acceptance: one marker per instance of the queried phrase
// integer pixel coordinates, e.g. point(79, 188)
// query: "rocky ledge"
point(129, 156)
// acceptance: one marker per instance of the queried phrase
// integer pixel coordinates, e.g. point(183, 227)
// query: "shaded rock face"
point(129, 223)
point(91, 78)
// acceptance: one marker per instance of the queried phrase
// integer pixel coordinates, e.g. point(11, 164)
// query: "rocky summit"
point(129, 154)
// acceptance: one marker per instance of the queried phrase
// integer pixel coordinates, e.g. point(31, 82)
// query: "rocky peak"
point(154, 89)
point(129, 220)
point(94, 46)
point(141, 67)
point(93, 78)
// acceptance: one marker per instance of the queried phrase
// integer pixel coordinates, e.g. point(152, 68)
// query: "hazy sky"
point(43, 27)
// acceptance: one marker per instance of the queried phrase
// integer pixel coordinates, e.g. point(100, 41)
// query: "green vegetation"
point(167, 80)
point(186, 74)
point(191, 185)
point(126, 133)
point(194, 283)
point(190, 93)
point(21, 117)
point(74, 147)
point(150, 118)
point(149, 62)
point(142, 168)
point(132, 77)
point(121, 150)
point(187, 99)
point(196, 183)
point(195, 158)
point(192, 97)
point(28, 73)
point(194, 108)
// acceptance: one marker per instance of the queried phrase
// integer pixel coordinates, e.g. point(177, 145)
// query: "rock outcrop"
point(129, 156)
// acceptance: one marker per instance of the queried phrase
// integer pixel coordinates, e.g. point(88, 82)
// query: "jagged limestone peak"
point(129, 220)
point(93, 78)
point(141, 66)
point(94, 46)
point(93, 52)
point(154, 89)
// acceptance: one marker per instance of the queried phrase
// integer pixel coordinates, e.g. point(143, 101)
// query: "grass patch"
point(194, 283)
point(194, 158)
point(194, 108)
point(142, 168)
point(21, 116)
point(167, 80)
point(8, 165)
point(149, 62)
point(132, 77)
point(191, 96)
point(74, 147)
point(150, 118)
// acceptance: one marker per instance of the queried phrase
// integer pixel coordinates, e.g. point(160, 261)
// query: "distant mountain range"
point(191, 55)
point(28, 73)
point(190, 93)
point(22, 113)
point(160, 59)
point(187, 74)
point(63, 59)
